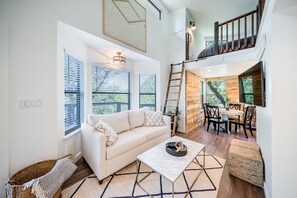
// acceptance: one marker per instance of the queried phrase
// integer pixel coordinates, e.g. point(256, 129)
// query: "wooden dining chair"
point(248, 116)
point(205, 112)
point(215, 118)
point(235, 106)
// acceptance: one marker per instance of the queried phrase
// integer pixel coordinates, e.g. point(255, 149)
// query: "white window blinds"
point(73, 93)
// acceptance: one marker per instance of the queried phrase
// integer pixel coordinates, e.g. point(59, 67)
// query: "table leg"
point(172, 189)
point(138, 163)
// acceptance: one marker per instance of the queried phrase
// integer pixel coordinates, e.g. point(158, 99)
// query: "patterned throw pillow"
point(103, 127)
point(153, 119)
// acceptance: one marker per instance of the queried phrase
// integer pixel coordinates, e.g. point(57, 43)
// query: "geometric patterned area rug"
point(122, 183)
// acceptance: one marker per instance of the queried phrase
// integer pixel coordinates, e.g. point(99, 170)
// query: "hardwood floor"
point(215, 144)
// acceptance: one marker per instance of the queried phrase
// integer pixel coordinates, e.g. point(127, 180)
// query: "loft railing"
point(228, 39)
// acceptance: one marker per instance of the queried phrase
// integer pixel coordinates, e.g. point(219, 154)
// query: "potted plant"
point(227, 102)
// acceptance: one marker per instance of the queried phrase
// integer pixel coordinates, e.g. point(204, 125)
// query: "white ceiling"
point(206, 12)
point(223, 69)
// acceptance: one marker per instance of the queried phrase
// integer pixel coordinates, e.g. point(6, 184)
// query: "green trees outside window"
point(110, 90)
point(147, 91)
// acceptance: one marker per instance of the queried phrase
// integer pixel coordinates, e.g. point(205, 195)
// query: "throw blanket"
point(47, 185)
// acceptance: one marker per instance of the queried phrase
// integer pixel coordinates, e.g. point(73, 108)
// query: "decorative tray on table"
point(177, 149)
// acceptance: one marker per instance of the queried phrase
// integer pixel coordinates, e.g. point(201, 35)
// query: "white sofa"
point(133, 139)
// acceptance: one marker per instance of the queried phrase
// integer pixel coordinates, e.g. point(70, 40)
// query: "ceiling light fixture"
point(119, 59)
point(192, 25)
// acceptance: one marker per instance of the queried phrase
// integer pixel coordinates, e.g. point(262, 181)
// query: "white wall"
point(4, 113)
point(264, 114)
point(284, 106)
point(35, 71)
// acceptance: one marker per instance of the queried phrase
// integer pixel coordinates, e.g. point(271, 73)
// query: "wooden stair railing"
point(222, 34)
point(172, 98)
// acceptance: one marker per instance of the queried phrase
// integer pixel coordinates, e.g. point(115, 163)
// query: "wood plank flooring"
point(218, 145)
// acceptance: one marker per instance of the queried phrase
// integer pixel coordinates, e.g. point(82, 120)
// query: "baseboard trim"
point(77, 157)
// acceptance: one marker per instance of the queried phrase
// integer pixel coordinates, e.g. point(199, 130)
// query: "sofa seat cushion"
point(126, 141)
point(152, 132)
point(118, 121)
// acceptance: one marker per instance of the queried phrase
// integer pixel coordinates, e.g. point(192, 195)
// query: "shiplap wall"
point(194, 115)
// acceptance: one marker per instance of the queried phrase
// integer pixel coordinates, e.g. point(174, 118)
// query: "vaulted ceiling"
point(206, 12)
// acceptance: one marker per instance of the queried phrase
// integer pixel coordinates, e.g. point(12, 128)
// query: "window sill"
point(72, 134)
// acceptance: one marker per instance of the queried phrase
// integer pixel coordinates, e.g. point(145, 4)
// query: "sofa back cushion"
point(136, 117)
point(118, 121)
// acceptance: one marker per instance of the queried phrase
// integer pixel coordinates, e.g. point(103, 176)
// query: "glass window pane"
point(216, 92)
point(111, 91)
point(147, 83)
point(247, 84)
point(147, 91)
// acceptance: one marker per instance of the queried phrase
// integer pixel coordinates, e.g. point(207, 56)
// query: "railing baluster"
point(245, 32)
point(221, 51)
point(239, 34)
point(227, 45)
point(232, 35)
point(216, 38)
point(253, 39)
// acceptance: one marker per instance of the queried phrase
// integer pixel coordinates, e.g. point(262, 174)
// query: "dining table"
point(225, 113)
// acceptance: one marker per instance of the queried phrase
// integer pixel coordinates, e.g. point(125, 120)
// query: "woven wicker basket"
point(15, 186)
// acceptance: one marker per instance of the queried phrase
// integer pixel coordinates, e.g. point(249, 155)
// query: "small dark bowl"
point(171, 149)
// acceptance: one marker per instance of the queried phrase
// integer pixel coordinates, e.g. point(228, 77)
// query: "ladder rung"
point(170, 92)
point(171, 99)
point(170, 106)
point(175, 79)
point(173, 85)
point(175, 73)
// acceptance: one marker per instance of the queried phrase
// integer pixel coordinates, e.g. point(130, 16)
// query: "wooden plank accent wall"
point(232, 87)
point(193, 113)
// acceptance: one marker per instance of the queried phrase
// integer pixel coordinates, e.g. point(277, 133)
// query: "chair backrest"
point(235, 106)
point(213, 111)
point(249, 112)
point(205, 109)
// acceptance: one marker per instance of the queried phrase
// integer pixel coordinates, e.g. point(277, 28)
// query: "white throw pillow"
point(136, 117)
point(153, 119)
point(103, 127)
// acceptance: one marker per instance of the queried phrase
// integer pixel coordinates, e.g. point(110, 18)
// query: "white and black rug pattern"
point(122, 183)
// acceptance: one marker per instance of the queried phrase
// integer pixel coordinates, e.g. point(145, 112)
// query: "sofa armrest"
point(167, 120)
point(94, 149)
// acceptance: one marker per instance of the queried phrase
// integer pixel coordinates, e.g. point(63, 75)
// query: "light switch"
point(38, 103)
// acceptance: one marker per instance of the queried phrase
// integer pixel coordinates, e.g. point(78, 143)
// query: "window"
point(247, 84)
point(155, 9)
point(201, 94)
point(216, 92)
point(73, 93)
point(110, 90)
point(147, 91)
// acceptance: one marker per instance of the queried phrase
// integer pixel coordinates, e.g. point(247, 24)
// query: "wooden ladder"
point(171, 104)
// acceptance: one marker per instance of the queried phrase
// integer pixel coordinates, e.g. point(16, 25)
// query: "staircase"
point(171, 104)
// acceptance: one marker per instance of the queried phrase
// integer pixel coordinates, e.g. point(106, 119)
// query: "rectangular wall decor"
point(125, 21)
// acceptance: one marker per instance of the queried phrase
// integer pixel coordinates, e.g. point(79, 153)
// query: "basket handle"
point(66, 156)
